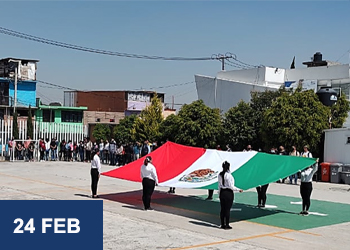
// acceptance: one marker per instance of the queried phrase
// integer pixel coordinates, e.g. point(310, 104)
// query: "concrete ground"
point(185, 220)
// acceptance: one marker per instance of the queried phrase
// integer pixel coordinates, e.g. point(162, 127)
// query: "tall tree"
point(146, 126)
point(122, 131)
point(297, 118)
point(339, 112)
point(238, 126)
point(260, 102)
point(101, 131)
point(169, 128)
point(198, 125)
point(15, 126)
point(30, 123)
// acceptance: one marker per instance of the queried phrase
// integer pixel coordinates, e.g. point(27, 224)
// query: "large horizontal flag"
point(190, 167)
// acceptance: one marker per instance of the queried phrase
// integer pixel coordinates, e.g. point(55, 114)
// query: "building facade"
point(25, 87)
point(229, 87)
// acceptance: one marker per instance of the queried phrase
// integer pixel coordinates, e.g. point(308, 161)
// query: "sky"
point(266, 33)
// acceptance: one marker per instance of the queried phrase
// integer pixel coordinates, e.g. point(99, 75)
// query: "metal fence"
point(60, 131)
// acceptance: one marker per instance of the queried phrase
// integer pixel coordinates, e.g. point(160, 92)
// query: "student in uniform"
point(306, 183)
point(226, 188)
point(95, 173)
point(149, 181)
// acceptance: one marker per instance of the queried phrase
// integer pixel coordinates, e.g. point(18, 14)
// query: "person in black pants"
point(95, 173)
point(210, 194)
point(149, 181)
point(226, 188)
point(262, 195)
point(306, 183)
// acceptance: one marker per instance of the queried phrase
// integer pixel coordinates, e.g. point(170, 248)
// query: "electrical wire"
point(25, 36)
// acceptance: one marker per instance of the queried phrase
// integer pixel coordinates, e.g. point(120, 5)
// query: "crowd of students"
point(111, 152)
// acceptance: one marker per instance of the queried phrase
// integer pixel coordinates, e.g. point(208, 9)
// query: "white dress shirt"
point(307, 174)
point(95, 163)
point(229, 182)
point(149, 172)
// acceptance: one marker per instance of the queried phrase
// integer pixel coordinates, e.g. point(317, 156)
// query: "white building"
point(229, 87)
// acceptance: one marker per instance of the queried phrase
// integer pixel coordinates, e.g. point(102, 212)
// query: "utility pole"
point(222, 59)
point(16, 75)
point(15, 94)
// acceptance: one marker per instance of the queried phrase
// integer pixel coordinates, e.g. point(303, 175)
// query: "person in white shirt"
point(149, 181)
point(95, 173)
point(226, 187)
point(306, 183)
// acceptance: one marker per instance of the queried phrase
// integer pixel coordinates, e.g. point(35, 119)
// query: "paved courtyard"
point(186, 220)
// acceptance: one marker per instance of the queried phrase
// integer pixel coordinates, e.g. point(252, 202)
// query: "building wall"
point(318, 73)
point(336, 148)
point(26, 93)
point(107, 101)
point(225, 94)
point(90, 117)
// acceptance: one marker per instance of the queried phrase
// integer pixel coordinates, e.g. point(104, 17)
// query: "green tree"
point(238, 126)
point(122, 131)
point(101, 131)
point(30, 123)
point(339, 112)
point(169, 128)
point(297, 118)
point(198, 125)
point(15, 126)
point(146, 126)
point(260, 102)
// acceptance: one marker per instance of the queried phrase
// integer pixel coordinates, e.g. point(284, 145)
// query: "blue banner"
point(61, 225)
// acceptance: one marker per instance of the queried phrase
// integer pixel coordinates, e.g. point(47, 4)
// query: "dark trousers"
point(262, 194)
point(88, 155)
point(210, 193)
point(112, 159)
point(148, 188)
point(226, 200)
point(94, 180)
point(42, 154)
point(305, 192)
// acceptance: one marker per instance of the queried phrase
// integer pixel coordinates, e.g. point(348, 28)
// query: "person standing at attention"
point(95, 173)
point(306, 183)
point(226, 188)
point(149, 181)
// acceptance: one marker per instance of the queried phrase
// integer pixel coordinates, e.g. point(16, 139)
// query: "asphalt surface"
point(185, 220)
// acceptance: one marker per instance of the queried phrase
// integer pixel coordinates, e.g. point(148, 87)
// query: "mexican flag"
point(191, 167)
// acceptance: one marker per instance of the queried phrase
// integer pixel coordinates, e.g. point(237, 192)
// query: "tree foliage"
point(260, 102)
point(339, 112)
point(297, 118)
point(146, 126)
point(122, 131)
point(239, 127)
point(198, 125)
point(15, 126)
point(101, 131)
point(30, 123)
point(169, 128)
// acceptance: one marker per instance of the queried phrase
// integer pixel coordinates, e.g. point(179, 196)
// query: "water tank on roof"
point(327, 96)
point(318, 57)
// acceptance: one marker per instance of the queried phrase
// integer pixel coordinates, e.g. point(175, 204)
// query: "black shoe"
point(209, 198)
point(263, 205)
point(223, 227)
point(227, 227)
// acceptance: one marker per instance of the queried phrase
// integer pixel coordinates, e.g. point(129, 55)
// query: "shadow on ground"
point(195, 207)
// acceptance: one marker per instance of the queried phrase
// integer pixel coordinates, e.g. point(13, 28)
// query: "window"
point(48, 115)
point(72, 116)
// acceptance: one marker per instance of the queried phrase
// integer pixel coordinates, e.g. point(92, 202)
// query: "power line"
point(97, 51)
